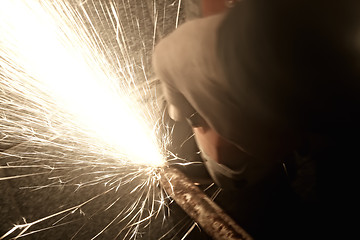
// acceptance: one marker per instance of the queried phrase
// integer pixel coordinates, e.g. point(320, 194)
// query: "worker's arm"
point(194, 88)
point(185, 62)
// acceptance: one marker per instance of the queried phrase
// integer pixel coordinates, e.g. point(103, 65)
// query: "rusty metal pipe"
point(213, 220)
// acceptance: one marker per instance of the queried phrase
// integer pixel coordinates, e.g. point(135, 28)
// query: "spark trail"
point(73, 110)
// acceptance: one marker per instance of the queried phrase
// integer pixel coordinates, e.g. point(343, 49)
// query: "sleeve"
point(178, 107)
point(185, 62)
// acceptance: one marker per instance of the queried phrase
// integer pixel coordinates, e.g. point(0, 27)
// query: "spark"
point(178, 13)
point(73, 109)
point(66, 66)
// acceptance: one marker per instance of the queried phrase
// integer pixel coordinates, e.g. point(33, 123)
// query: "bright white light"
point(68, 69)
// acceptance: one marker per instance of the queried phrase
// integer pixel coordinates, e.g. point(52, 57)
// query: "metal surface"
point(214, 221)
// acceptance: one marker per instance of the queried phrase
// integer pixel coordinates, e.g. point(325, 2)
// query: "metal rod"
point(213, 220)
